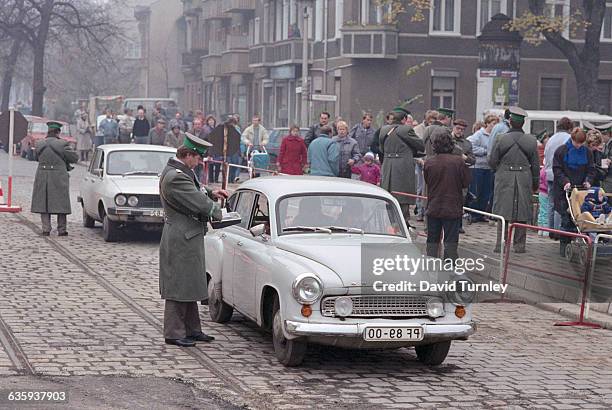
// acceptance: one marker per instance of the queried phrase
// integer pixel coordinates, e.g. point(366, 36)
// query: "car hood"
point(136, 184)
point(339, 252)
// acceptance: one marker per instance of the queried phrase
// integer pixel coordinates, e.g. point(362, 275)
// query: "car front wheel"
point(433, 354)
point(289, 352)
point(218, 310)
point(110, 229)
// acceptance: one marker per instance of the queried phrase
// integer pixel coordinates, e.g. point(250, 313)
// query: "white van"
point(538, 121)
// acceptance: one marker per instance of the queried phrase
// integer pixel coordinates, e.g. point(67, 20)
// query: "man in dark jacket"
point(399, 145)
point(314, 131)
point(462, 143)
point(363, 133)
point(446, 175)
point(51, 194)
point(514, 158)
point(445, 116)
point(182, 274)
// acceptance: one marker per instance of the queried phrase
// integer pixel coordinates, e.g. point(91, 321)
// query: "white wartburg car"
point(293, 265)
point(121, 187)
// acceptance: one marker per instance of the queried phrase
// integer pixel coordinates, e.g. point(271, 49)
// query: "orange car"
point(37, 130)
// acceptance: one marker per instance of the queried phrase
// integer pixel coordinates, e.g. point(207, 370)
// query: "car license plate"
point(157, 212)
point(385, 334)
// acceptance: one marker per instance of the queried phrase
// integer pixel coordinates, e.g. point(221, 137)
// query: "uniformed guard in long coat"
point(51, 193)
point(399, 145)
point(514, 158)
point(182, 275)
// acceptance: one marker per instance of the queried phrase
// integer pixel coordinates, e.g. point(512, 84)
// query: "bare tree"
point(89, 22)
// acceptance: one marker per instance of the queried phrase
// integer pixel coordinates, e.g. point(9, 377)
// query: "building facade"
point(245, 56)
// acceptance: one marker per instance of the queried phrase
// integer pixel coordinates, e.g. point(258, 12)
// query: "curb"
point(573, 312)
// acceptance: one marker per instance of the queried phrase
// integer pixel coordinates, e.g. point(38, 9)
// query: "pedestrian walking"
point(400, 145)
point(324, 154)
point(349, 150)
point(84, 137)
point(363, 133)
point(157, 134)
point(255, 135)
point(514, 158)
point(109, 128)
point(293, 155)
point(315, 130)
point(564, 126)
point(126, 126)
point(446, 175)
point(573, 166)
point(51, 193)
point(182, 268)
point(368, 170)
point(174, 137)
point(482, 175)
point(141, 128)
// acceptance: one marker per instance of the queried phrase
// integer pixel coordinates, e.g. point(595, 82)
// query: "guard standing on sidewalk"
point(182, 274)
point(51, 194)
point(514, 158)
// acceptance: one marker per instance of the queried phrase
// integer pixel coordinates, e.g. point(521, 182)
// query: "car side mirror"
point(98, 172)
point(258, 230)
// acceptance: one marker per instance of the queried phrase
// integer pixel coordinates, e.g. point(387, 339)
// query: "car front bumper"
point(137, 215)
point(432, 332)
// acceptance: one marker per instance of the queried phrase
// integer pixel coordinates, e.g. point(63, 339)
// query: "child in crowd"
point(596, 207)
point(543, 200)
point(368, 170)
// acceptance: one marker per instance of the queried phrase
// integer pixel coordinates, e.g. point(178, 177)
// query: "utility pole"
point(305, 85)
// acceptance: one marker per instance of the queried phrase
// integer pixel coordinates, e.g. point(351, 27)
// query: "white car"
point(121, 187)
point(293, 265)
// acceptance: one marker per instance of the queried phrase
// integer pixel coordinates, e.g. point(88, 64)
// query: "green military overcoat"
point(514, 158)
point(51, 193)
point(182, 269)
point(399, 145)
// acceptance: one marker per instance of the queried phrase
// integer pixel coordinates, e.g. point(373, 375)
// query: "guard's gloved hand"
point(216, 214)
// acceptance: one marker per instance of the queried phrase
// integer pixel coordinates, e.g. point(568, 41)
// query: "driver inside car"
point(351, 215)
point(310, 213)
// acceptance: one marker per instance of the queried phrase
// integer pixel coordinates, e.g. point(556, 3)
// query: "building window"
point(133, 50)
point(444, 16)
point(550, 93)
point(487, 9)
point(606, 28)
point(373, 13)
point(318, 20)
point(559, 9)
point(604, 97)
point(443, 92)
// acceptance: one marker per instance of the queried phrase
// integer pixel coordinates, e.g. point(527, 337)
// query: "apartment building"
point(245, 56)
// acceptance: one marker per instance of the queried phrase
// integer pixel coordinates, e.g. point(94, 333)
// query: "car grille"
point(380, 306)
point(149, 201)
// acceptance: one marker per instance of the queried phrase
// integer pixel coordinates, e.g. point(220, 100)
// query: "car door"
point(91, 183)
point(249, 258)
point(227, 258)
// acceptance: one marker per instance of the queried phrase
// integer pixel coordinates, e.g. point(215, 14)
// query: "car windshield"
point(338, 214)
point(137, 162)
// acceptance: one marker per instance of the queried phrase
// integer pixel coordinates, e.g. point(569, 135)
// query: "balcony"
point(239, 6)
point(192, 7)
point(256, 55)
point(192, 58)
point(369, 42)
point(211, 66)
point(215, 48)
point(279, 53)
point(237, 42)
point(235, 62)
point(213, 10)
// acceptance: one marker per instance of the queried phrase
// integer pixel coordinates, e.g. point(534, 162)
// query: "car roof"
point(557, 115)
point(277, 186)
point(136, 147)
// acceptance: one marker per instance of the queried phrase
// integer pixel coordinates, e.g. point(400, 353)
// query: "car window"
point(137, 162)
point(261, 214)
point(373, 215)
point(244, 207)
point(95, 160)
point(231, 202)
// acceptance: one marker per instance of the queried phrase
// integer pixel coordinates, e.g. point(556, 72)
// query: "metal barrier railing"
point(225, 170)
point(584, 279)
point(598, 237)
point(500, 218)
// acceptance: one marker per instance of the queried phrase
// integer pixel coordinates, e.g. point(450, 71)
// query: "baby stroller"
point(257, 158)
point(576, 250)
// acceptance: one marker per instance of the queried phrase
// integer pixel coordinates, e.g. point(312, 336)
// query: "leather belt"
point(48, 167)
point(393, 155)
point(516, 167)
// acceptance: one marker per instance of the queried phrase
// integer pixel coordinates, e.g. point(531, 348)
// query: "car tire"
point(219, 311)
point(289, 352)
point(433, 354)
point(88, 221)
point(110, 230)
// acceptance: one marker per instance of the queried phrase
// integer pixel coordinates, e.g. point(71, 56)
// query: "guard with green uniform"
point(182, 274)
point(514, 158)
point(51, 194)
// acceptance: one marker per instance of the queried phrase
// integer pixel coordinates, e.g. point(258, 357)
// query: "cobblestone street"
point(77, 306)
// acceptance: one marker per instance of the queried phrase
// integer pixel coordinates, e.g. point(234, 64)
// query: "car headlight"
point(343, 306)
point(120, 200)
point(307, 288)
point(435, 307)
point(132, 200)
point(462, 296)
